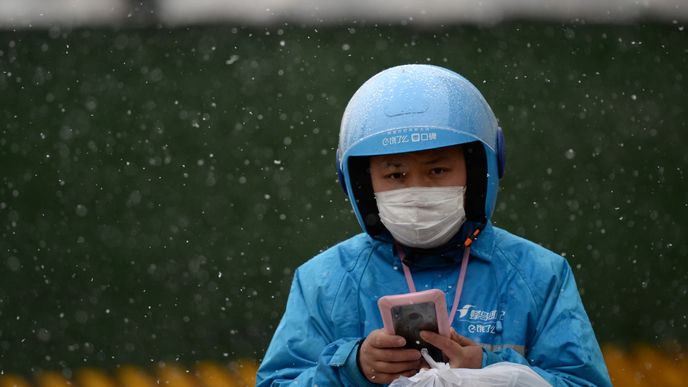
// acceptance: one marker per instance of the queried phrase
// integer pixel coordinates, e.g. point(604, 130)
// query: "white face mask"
point(423, 217)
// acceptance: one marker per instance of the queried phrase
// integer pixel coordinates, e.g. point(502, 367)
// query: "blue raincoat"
point(519, 301)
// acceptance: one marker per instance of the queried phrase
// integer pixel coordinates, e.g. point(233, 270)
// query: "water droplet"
point(81, 210)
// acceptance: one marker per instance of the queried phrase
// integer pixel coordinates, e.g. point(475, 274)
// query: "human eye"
point(438, 171)
point(395, 176)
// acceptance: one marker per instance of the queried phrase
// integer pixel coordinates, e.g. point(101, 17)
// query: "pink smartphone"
point(408, 314)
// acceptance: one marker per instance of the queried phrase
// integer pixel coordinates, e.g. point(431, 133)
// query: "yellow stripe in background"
point(129, 376)
point(644, 366)
point(52, 379)
point(93, 378)
point(245, 371)
point(171, 375)
point(214, 375)
point(13, 381)
point(640, 366)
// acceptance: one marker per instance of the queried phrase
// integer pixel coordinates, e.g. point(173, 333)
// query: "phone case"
point(435, 296)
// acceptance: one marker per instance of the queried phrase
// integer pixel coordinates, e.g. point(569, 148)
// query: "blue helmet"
point(412, 108)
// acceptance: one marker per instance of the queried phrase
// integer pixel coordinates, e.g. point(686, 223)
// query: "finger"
point(381, 339)
point(424, 364)
point(394, 355)
point(396, 368)
point(454, 335)
point(410, 373)
point(383, 378)
point(445, 344)
point(462, 340)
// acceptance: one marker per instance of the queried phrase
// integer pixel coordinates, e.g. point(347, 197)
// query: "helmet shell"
point(418, 107)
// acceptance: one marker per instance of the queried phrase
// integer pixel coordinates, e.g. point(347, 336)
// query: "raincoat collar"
point(448, 254)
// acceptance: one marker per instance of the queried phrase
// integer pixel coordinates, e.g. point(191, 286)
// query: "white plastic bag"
point(502, 374)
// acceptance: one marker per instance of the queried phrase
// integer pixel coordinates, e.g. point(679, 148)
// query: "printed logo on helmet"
point(402, 136)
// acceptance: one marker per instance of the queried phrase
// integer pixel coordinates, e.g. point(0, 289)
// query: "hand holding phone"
point(382, 358)
point(408, 314)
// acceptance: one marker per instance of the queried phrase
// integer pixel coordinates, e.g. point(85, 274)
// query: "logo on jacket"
point(481, 321)
point(464, 310)
point(475, 314)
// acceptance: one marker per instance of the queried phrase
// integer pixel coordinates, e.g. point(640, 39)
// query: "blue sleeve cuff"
point(350, 350)
point(490, 357)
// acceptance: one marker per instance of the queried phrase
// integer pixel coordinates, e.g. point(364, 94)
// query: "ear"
point(501, 152)
point(340, 174)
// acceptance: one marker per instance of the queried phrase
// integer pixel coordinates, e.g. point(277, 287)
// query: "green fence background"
point(158, 187)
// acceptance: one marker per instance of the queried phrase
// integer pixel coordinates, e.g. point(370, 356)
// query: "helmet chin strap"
point(462, 273)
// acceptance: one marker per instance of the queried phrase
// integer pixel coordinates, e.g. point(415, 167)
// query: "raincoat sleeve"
point(303, 350)
point(563, 348)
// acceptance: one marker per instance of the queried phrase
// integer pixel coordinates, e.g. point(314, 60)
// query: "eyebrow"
point(391, 164)
point(397, 165)
point(435, 160)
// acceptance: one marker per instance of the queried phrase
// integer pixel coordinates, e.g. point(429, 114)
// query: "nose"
point(414, 180)
point(417, 179)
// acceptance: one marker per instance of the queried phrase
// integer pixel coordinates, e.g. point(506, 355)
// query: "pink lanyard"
point(459, 283)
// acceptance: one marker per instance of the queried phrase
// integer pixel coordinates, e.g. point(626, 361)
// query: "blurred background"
point(166, 165)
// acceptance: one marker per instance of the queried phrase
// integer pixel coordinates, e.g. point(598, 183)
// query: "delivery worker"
point(420, 157)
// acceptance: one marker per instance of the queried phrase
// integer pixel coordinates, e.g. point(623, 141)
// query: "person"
point(420, 158)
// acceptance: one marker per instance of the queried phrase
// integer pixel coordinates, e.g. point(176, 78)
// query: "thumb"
point(463, 341)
